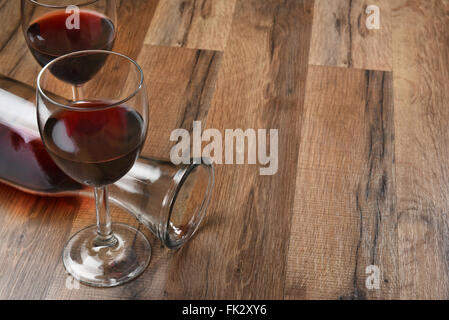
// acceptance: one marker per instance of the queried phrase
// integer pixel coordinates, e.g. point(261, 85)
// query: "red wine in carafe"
point(25, 163)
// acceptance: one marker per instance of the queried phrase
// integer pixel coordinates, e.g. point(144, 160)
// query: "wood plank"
point(344, 217)
point(241, 249)
point(180, 85)
point(340, 36)
point(18, 88)
point(134, 19)
point(198, 24)
point(421, 79)
point(33, 230)
point(17, 62)
point(15, 59)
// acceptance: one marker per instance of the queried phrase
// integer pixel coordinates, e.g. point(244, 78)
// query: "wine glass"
point(96, 141)
point(53, 28)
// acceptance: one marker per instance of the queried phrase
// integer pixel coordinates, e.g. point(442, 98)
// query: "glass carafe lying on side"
point(170, 200)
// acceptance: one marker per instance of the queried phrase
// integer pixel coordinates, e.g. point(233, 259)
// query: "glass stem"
point(77, 92)
point(104, 224)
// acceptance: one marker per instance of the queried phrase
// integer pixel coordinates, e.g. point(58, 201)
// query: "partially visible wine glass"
point(96, 141)
point(53, 28)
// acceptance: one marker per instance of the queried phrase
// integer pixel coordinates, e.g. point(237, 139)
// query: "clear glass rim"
point(54, 6)
point(196, 220)
point(86, 52)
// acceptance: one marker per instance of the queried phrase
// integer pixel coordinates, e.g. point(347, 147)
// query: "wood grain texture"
point(344, 216)
point(181, 83)
point(199, 24)
point(340, 36)
point(363, 168)
point(134, 18)
point(421, 53)
point(15, 59)
point(33, 240)
point(261, 85)
point(18, 88)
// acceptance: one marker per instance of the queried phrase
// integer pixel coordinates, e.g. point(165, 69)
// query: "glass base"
point(104, 266)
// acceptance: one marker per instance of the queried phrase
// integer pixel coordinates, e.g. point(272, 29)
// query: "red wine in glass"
point(49, 37)
point(94, 147)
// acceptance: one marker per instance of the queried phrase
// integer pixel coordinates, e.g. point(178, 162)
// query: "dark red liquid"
point(95, 147)
point(48, 38)
point(25, 162)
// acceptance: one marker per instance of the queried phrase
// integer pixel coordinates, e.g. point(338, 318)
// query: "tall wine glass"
point(96, 141)
point(53, 28)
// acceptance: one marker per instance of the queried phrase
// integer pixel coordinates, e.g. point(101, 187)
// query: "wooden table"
point(363, 173)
